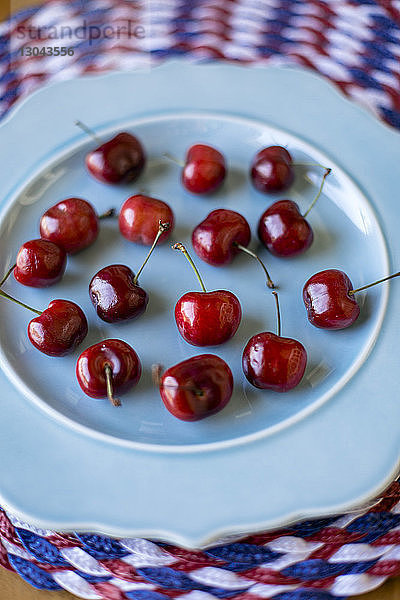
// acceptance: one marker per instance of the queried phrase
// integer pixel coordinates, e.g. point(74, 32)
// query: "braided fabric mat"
point(322, 559)
point(356, 44)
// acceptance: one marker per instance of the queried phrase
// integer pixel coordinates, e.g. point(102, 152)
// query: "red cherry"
point(115, 292)
point(215, 240)
point(283, 229)
point(197, 387)
point(119, 160)
point(221, 235)
point(272, 170)
point(204, 169)
point(329, 300)
point(59, 329)
point(72, 224)
point(206, 318)
point(111, 365)
point(273, 362)
point(40, 263)
point(140, 216)
point(56, 331)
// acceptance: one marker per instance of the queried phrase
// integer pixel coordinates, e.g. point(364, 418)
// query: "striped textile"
point(355, 43)
point(321, 559)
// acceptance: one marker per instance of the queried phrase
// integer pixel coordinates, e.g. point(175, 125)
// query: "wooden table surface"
point(12, 587)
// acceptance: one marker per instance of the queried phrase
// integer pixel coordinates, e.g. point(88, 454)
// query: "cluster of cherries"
point(201, 385)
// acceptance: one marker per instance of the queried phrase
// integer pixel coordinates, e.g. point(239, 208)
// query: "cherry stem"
point(182, 248)
point(110, 388)
point(89, 131)
point(309, 164)
point(270, 283)
point(109, 213)
point(156, 371)
point(173, 159)
point(162, 227)
point(278, 313)
point(365, 287)
point(38, 312)
point(325, 175)
point(7, 275)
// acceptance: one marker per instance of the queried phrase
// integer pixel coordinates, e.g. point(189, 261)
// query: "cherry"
point(273, 362)
point(329, 299)
point(221, 235)
point(328, 302)
point(197, 387)
point(139, 218)
point(120, 159)
point(72, 224)
point(272, 170)
point(40, 263)
point(204, 169)
point(56, 331)
point(282, 228)
point(206, 318)
point(115, 292)
point(107, 367)
point(59, 329)
point(116, 295)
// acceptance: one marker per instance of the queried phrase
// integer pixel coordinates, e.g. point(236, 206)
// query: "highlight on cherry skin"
point(271, 170)
point(120, 159)
point(40, 263)
point(221, 236)
point(195, 388)
point(273, 362)
point(140, 216)
point(107, 368)
point(330, 299)
point(115, 291)
point(203, 170)
point(284, 230)
point(72, 223)
point(206, 318)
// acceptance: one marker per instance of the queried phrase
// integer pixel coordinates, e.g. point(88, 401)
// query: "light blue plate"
point(70, 462)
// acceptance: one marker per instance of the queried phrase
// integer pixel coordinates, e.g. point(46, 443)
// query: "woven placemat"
point(356, 44)
point(321, 559)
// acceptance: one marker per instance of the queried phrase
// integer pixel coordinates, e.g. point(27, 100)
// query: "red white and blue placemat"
point(323, 559)
point(356, 44)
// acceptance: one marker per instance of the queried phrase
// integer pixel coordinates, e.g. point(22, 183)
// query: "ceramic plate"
point(267, 458)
